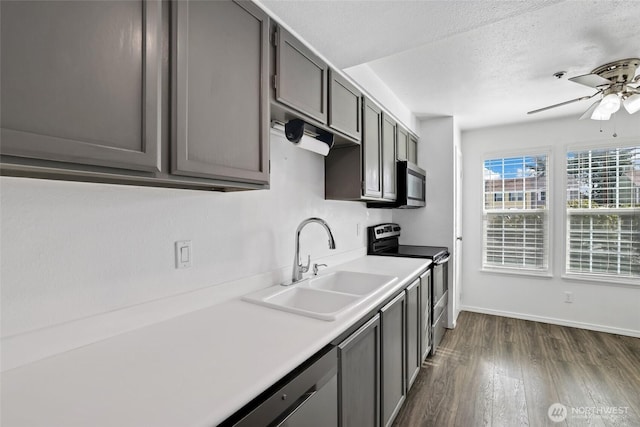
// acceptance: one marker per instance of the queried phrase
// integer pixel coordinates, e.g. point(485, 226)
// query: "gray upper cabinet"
point(301, 77)
point(412, 149)
point(402, 142)
point(81, 82)
point(345, 106)
point(220, 91)
point(393, 389)
point(359, 377)
point(371, 149)
point(389, 185)
point(354, 172)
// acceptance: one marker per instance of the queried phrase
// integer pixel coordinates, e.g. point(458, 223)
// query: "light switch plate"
point(183, 253)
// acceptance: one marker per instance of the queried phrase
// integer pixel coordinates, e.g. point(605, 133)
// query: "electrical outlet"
point(568, 297)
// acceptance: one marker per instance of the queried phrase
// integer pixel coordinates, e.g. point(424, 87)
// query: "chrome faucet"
point(298, 268)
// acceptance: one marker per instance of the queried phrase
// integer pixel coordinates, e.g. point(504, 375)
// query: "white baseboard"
point(553, 321)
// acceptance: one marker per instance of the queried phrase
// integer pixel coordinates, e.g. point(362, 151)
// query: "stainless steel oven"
point(383, 240)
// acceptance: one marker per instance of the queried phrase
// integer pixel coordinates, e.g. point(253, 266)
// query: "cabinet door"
point(389, 191)
point(221, 108)
point(402, 143)
point(412, 154)
point(359, 377)
point(80, 82)
point(425, 310)
point(414, 331)
point(301, 77)
point(371, 149)
point(345, 106)
point(393, 387)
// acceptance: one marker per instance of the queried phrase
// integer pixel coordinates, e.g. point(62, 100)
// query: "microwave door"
point(415, 189)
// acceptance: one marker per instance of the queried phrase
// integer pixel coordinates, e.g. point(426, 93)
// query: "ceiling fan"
point(616, 86)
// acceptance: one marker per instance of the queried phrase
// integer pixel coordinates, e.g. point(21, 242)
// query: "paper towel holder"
point(295, 129)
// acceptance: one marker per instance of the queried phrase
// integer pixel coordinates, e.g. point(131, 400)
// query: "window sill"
point(544, 274)
point(603, 280)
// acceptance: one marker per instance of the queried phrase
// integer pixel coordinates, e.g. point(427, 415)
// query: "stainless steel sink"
point(349, 282)
point(324, 297)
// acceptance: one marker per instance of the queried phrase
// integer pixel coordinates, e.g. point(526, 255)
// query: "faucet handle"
point(305, 268)
point(316, 267)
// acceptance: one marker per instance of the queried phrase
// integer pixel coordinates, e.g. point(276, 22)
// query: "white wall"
point(75, 250)
point(434, 224)
point(600, 306)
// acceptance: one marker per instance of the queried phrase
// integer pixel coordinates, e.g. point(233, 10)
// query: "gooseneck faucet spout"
point(298, 268)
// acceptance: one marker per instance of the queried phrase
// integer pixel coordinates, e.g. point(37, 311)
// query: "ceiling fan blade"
point(582, 98)
point(591, 80)
point(587, 114)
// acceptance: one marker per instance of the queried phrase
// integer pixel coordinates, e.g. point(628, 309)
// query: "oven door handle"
point(442, 261)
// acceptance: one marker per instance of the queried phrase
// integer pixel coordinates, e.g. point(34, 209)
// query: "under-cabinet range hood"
point(305, 136)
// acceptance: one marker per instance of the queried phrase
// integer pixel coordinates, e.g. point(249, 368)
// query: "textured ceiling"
point(483, 62)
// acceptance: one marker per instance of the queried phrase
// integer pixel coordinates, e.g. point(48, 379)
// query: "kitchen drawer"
point(440, 306)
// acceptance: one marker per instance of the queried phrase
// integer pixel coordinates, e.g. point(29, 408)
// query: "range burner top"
point(383, 241)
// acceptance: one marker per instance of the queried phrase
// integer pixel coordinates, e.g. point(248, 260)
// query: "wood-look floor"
point(497, 371)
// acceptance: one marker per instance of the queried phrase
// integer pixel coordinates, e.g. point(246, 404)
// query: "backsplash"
point(75, 250)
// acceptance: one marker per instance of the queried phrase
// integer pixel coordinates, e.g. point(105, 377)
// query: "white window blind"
point(515, 215)
point(603, 212)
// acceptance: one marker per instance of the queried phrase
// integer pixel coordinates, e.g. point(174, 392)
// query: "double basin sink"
point(322, 297)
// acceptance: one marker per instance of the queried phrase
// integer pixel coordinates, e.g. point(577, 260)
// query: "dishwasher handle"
point(298, 404)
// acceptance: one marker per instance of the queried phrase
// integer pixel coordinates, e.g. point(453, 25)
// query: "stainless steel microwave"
point(411, 185)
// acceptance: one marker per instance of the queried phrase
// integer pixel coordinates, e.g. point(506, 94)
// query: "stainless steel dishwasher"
point(307, 398)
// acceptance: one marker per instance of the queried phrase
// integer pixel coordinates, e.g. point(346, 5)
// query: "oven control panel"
point(384, 231)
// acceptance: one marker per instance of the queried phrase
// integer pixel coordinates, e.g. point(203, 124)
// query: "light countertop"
point(192, 370)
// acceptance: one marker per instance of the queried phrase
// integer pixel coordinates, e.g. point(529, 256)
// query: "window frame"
point(546, 151)
point(600, 278)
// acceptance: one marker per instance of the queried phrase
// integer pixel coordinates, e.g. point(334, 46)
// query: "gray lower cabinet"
point(345, 106)
point(359, 377)
point(402, 143)
point(425, 314)
point(389, 186)
point(301, 77)
point(412, 150)
point(414, 330)
point(220, 88)
point(81, 82)
point(393, 386)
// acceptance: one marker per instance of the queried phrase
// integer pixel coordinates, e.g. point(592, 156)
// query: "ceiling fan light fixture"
point(609, 104)
point(632, 103)
point(599, 114)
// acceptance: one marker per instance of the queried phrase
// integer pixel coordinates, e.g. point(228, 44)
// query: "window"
point(516, 226)
point(515, 197)
point(603, 212)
